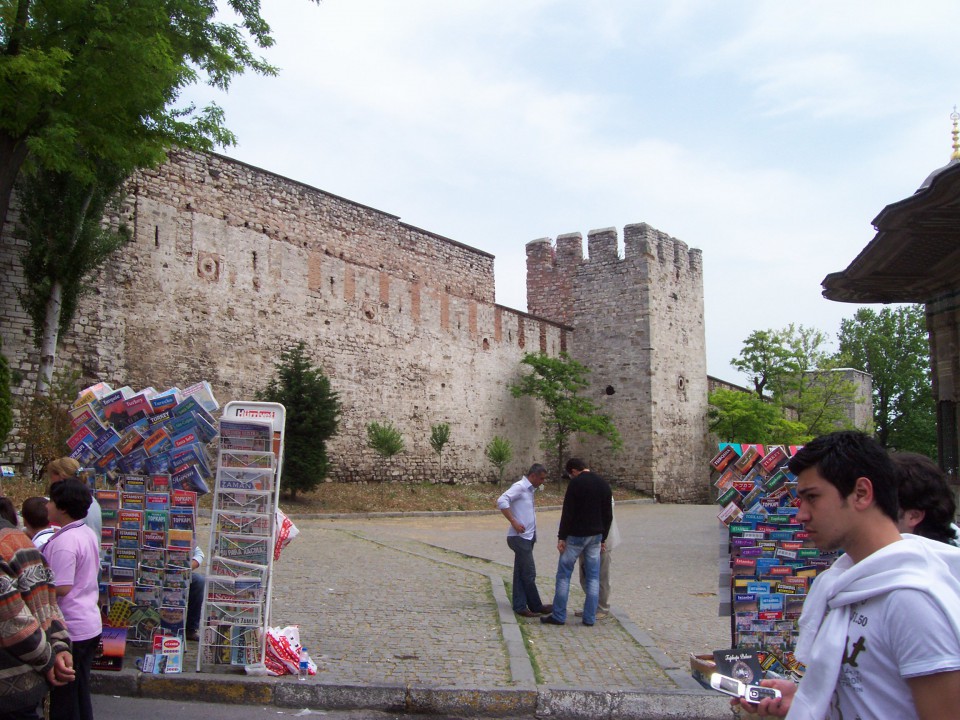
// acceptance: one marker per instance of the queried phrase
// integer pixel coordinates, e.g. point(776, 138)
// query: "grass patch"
point(360, 497)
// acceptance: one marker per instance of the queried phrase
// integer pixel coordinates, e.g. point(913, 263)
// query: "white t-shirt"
point(898, 635)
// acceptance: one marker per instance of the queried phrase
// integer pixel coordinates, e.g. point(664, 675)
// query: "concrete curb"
point(560, 703)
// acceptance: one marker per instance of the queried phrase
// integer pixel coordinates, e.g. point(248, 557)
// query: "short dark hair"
point(7, 511)
point(575, 464)
point(535, 469)
point(923, 486)
point(72, 497)
point(842, 457)
point(34, 512)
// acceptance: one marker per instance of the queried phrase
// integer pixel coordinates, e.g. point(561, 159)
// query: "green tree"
point(44, 426)
point(499, 452)
point(762, 358)
point(312, 418)
point(6, 398)
point(792, 369)
point(557, 384)
point(439, 437)
point(60, 219)
point(84, 81)
point(736, 416)
point(384, 439)
point(892, 346)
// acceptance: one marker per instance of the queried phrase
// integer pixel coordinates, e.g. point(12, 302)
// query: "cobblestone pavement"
point(422, 600)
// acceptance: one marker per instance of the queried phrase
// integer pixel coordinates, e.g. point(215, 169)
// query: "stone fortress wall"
point(229, 264)
point(638, 320)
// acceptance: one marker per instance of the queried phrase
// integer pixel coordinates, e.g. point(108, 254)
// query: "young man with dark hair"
point(880, 630)
point(584, 525)
point(927, 506)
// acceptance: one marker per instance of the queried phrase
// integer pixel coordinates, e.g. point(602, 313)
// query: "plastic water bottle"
point(304, 664)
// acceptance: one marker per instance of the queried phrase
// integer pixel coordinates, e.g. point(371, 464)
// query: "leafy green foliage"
point(439, 437)
point(736, 416)
point(791, 369)
point(557, 384)
point(312, 418)
point(384, 439)
point(45, 422)
point(60, 219)
point(6, 398)
point(892, 346)
point(499, 452)
point(89, 80)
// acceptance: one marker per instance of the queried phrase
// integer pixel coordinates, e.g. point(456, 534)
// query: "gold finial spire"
point(955, 116)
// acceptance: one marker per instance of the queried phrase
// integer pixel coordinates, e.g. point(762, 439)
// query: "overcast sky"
point(767, 134)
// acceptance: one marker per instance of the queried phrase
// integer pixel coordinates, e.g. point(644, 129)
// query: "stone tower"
point(638, 325)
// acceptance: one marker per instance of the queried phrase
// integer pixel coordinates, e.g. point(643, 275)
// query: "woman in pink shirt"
point(73, 554)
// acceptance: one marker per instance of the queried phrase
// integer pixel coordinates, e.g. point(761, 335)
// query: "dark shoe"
point(550, 620)
point(587, 624)
point(546, 610)
point(193, 635)
point(527, 613)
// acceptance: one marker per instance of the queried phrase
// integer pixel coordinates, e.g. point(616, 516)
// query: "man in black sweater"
point(584, 524)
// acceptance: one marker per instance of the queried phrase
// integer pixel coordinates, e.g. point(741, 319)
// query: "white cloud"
point(766, 134)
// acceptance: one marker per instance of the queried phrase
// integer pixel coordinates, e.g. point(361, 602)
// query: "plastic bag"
point(286, 531)
point(283, 652)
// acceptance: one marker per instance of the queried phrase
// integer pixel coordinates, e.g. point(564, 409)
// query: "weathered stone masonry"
point(230, 263)
point(638, 324)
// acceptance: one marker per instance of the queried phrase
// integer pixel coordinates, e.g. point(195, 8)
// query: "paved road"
point(365, 598)
point(414, 613)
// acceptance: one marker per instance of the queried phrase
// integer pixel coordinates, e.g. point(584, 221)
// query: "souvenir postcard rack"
point(236, 602)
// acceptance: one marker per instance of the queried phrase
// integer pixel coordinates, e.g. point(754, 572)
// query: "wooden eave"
point(915, 256)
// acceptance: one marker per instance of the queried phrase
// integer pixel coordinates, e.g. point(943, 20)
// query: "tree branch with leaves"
point(557, 383)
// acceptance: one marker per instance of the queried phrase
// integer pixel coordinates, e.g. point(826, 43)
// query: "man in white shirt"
point(517, 507)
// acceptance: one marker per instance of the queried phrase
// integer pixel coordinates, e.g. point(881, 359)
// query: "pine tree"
point(312, 418)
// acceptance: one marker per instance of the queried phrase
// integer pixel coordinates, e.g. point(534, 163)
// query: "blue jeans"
point(589, 547)
point(525, 593)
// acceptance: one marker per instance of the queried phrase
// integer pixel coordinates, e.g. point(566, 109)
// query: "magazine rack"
point(236, 600)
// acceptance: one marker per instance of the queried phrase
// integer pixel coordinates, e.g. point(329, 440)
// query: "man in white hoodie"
point(880, 630)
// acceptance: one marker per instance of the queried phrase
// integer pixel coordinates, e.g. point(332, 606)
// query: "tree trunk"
point(48, 343)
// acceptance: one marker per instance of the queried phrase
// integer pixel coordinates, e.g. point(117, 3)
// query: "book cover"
point(158, 482)
point(183, 499)
point(122, 574)
point(172, 620)
point(179, 559)
point(182, 520)
point(144, 621)
point(158, 464)
point(134, 462)
point(158, 520)
point(129, 441)
point(133, 501)
point(154, 538)
point(742, 665)
point(133, 483)
point(110, 651)
point(107, 535)
point(83, 434)
point(202, 392)
point(179, 539)
point(157, 501)
point(108, 499)
point(189, 479)
point(126, 539)
point(158, 443)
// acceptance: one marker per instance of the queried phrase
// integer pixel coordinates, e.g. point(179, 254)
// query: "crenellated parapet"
point(637, 318)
